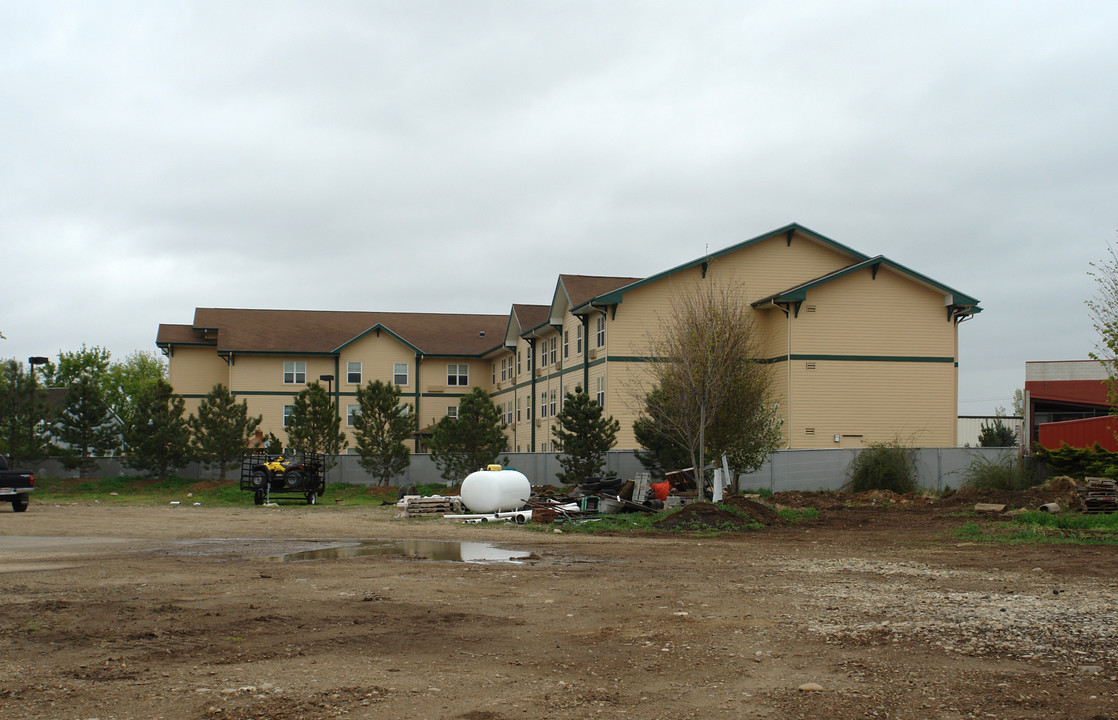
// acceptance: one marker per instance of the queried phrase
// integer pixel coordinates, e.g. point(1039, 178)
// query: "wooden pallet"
point(425, 506)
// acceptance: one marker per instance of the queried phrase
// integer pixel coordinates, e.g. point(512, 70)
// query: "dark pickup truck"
point(15, 486)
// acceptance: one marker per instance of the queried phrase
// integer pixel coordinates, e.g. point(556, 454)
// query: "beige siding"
point(195, 371)
point(860, 315)
point(865, 402)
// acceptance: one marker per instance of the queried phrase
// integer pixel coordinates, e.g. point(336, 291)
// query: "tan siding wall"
point(195, 371)
point(880, 401)
point(860, 315)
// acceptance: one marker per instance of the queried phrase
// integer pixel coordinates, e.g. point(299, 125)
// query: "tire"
point(258, 497)
point(311, 499)
point(20, 503)
point(292, 479)
point(259, 479)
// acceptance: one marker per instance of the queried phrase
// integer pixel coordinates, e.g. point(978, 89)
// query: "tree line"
point(709, 397)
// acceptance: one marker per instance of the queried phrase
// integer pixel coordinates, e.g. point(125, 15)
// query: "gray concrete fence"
point(786, 470)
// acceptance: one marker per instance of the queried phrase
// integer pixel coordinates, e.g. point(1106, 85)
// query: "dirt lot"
point(177, 612)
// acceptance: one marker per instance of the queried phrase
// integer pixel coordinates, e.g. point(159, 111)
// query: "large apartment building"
point(860, 348)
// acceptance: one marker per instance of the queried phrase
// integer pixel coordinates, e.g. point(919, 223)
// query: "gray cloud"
point(456, 156)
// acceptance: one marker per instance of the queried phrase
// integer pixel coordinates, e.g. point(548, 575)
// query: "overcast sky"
point(457, 156)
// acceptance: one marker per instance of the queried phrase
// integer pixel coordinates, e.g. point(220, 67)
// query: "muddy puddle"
point(440, 550)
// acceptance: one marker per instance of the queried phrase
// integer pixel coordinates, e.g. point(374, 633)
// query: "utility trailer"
point(265, 475)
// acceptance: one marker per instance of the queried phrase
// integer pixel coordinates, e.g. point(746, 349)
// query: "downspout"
point(585, 320)
point(418, 357)
point(788, 362)
point(532, 392)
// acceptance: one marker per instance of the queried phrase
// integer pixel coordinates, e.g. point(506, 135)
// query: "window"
point(528, 408)
point(553, 339)
point(543, 404)
point(452, 412)
point(600, 398)
point(294, 373)
point(601, 331)
point(351, 413)
point(578, 340)
point(353, 373)
point(566, 344)
point(494, 372)
point(543, 447)
point(518, 409)
point(400, 373)
point(405, 409)
point(528, 356)
point(508, 413)
point(457, 374)
point(543, 353)
point(517, 362)
point(504, 369)
point(552, 403)
point(288, 413)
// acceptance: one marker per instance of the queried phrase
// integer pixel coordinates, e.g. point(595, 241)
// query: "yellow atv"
point(266, 475)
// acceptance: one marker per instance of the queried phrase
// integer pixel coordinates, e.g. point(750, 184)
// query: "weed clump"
point(883, 466)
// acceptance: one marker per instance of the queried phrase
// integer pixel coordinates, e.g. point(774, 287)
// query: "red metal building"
point(1067, 401)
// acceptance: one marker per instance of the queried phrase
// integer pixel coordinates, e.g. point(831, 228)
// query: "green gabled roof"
point(615, 297)
point(798, 293)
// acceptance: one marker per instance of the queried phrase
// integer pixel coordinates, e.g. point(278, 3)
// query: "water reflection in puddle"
point(447, 550)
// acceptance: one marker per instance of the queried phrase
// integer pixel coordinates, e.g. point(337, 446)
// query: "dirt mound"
point(824, 500)
point(1060, 490)
point(703, 516)
point(759, 512)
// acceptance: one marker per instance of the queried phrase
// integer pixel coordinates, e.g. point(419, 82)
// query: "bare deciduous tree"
point(710, 390)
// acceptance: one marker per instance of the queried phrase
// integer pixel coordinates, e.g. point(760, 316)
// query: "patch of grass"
point(134, 490)
point(763, 492)
point(796, 515)
point(623, 523)
point(1037, 528)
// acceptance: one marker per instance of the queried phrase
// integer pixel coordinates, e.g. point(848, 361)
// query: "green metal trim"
point(799, 293)
point(375, 328)
point(865, 358)
point(614, 297)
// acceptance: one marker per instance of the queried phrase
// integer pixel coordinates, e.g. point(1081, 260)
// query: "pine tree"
point(381, 429)
point(157, 437)
point(583, 437)
point(471, 441)
point(25, 417)
point(222, 429)
point(314, 426)
point(85, 427)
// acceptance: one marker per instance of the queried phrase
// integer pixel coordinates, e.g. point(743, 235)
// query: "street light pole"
point(32, 362)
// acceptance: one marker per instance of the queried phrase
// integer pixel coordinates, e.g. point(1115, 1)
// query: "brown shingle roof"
point(178, 335)
point(583, 288)
point(530, 316)
point(325, 331)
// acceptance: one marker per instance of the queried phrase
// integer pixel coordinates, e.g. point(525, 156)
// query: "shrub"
point(1004, 472)
point(883, 466)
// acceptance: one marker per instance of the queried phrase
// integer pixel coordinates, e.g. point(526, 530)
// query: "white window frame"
point(543, 404)
point(553, 343)
point(351, 413)
point(601, 331)
point(459, 376)
point(349, 373)
point(294, 369)
point(600, 395)
point(566, 344)
point(288, 413)
point(396, 373)
point(504, 369)
point(551, 404)
point(452, 412)
point(578, 339)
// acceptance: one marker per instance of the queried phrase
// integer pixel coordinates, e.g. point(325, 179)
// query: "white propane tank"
point(495, 490)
